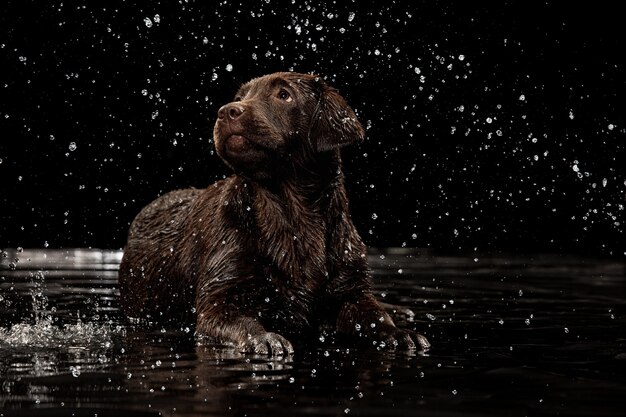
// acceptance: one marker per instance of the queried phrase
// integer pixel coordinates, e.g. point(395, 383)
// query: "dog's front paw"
point(271, 344)
point(394, 338)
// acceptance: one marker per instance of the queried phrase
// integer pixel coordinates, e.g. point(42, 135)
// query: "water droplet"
point(148, 22)
point(229, 67)
point(461, 57)
point(72, 146)
point(351, 16)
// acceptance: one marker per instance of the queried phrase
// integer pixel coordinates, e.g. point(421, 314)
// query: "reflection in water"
point(513, 336)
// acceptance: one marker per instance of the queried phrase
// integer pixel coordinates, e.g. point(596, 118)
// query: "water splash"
point(45, 333)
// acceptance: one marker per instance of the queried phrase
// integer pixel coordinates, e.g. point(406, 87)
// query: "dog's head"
point(280, 118)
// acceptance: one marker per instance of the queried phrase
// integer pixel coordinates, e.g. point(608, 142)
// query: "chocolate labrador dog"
point(269, 253)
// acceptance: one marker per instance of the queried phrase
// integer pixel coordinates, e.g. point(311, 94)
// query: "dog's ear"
point(334, 123)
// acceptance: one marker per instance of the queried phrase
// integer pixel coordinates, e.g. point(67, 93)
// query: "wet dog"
point(270, 253)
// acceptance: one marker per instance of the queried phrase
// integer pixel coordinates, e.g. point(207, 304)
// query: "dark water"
point(512, 337)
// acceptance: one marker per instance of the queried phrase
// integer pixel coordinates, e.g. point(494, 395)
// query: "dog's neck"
point(314, 180)
point(295, 216)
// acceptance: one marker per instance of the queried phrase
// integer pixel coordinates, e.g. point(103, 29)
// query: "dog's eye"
point(284, 95)
point(237, 98)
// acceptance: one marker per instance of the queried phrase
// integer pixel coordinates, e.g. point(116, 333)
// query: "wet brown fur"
point(270, 252)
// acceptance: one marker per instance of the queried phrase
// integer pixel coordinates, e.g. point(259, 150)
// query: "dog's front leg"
point(248, 335)
point(364, 317)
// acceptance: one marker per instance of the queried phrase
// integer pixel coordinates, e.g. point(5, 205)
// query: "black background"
point(492, 126)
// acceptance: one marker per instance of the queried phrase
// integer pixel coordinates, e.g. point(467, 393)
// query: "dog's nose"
point(231, 110)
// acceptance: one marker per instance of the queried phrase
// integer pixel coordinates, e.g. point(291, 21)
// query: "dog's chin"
point(238, 147)
point(244, 156)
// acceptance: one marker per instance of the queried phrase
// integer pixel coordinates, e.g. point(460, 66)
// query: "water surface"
point(512, 336)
